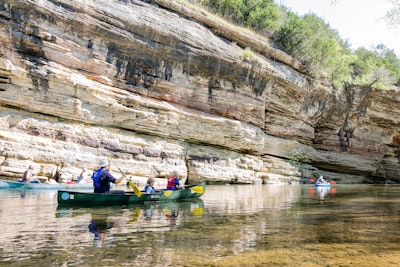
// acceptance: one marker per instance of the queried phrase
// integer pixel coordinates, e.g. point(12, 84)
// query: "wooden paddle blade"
point(167, 193)
point(135, 189)
point(197, 189)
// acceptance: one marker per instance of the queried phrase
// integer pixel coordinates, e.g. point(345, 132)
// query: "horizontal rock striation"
point(166, 86)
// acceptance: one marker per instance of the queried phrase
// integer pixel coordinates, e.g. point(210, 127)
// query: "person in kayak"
point(28, 176)
point(321, 180)
point(102, 178)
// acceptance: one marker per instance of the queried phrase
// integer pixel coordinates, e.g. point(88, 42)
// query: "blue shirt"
point(101, 180)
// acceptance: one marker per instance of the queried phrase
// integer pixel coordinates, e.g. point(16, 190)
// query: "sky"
point(357, 21)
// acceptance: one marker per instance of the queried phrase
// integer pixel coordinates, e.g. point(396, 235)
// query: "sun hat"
point(103, 163)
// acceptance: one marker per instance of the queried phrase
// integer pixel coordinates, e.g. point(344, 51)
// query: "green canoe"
point(120, 197)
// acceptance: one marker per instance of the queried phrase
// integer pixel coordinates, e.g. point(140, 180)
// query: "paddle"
point(197, 189)
point(118, 168)
point(5, 157)
point(134, 187)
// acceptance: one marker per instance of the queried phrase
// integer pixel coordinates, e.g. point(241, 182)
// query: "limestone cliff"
point(166, 86)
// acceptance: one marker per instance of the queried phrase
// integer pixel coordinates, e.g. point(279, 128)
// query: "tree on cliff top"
point(262, 15)
point(393, 16)
point(311, 41)
point(376, 68)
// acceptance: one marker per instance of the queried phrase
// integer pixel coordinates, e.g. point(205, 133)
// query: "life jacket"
point(153, 190)
point(96, 177)
point(171, 182)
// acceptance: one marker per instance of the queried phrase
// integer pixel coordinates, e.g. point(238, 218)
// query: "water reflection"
point(322, 192)
point(134, 218)
point(357, 225)
point(99, 226)
point(250, 199)
point(41, 194)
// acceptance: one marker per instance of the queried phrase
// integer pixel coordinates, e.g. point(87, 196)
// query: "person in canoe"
point(83, 177)
point(51, 181)
point(149, 188)
point(102, 178)
point(173, 181)
point(28, 176)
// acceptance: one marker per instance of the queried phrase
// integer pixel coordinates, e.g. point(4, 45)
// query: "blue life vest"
point(97, 177)
point(149, 189)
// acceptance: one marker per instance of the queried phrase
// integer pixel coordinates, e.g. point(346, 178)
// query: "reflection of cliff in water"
point(249, 199)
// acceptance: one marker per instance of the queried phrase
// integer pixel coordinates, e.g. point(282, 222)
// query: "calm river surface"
point(232, 225)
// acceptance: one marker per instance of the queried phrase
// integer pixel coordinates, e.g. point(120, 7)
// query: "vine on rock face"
point(294, 156)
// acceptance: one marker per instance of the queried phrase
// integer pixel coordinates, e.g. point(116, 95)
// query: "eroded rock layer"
point(166, 86)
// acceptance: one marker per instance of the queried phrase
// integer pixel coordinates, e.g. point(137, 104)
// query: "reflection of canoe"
point(194, 206)
point(97, 211)
point(116, 197)
point(13, 184)
point(105, 222)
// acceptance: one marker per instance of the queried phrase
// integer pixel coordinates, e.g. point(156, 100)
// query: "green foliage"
point(294, 155)
point(262, 14)
point(295, 159)
point(376, 68)
point(316, 45)
point(231, 9)
point(246, 53)
point(393, 15)
point(311, 41)
point(390, 61)
point(259, 14)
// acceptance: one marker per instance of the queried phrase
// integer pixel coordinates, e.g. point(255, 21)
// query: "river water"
point(231, 225)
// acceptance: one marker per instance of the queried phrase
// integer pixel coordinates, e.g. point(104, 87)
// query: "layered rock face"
point(163, 86)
